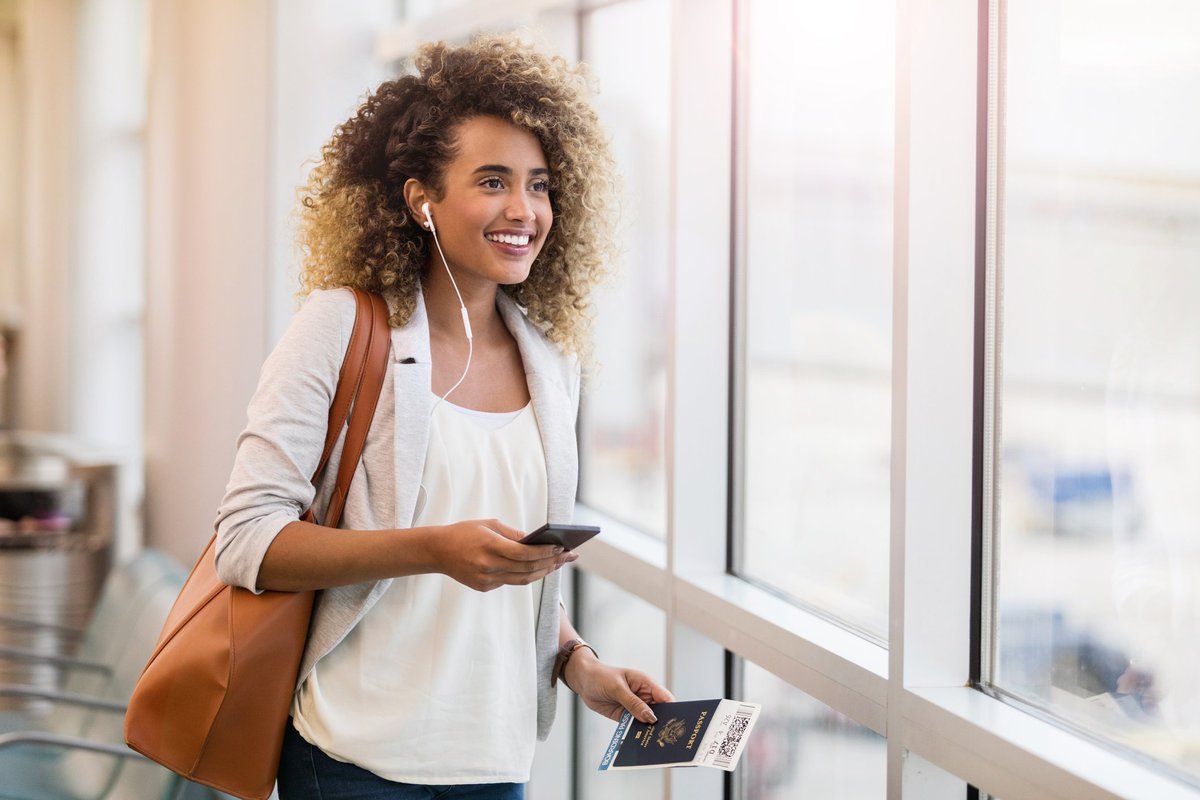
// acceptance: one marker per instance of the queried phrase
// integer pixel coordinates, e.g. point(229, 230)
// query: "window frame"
point(918, 692)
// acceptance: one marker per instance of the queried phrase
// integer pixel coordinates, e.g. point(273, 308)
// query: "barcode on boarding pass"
point(728, 747)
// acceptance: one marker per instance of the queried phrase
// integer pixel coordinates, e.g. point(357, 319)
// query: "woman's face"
point(494, 213)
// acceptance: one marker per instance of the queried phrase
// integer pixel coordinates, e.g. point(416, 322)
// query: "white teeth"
point(505, 238)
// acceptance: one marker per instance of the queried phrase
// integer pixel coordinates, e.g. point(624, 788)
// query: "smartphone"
point(568, 536)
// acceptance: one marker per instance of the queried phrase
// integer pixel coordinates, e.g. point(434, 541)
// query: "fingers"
point(529, 571)
point(525, 552)
point(655, 693)
point(634, 689)
point(502, 560)
point(646, 689)
point(535, 552)
point(543, 556)
point(637, 706)
point(521, 574)
point(611, 691)
point(513, 550)
point(507, 531)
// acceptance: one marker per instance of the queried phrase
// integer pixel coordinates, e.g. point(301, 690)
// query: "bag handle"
point(356, 398)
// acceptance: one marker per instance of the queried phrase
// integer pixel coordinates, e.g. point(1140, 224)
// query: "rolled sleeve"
point(277, 453)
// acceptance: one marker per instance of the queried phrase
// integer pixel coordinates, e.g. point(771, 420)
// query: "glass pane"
point(623, 467)
point(801, 747)
point(818, 176)
point(1098, 586)
point(553, 763)
point(629, 632)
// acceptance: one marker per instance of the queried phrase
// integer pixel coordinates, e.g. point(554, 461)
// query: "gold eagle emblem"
point(671, 732)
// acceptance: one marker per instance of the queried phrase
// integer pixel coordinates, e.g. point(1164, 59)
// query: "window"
point(109, 268)
point(604, 620)
point(803, 748)
point(623, 461)
point(783, 161)
point(817, 120)
point(1098, 582)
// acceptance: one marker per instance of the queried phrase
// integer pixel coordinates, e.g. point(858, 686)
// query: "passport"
point(694, 733)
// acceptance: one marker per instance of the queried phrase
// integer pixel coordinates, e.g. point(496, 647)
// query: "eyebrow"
point(503, 170)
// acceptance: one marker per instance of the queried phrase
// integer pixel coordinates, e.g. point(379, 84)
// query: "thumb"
point(506, 531)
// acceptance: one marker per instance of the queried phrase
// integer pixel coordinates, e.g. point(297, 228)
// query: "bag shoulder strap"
point(356, 398)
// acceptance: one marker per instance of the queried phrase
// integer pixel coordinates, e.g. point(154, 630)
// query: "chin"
point(513, 277)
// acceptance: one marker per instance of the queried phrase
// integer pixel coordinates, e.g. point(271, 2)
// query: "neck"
point(442, 307)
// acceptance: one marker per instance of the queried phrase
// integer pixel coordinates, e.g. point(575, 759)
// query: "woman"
point(481, 183)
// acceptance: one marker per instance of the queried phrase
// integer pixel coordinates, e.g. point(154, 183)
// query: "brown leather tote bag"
point(213, 700)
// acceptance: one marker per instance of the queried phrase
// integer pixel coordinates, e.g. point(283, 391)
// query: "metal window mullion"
point(698, 461)
point(991, 354)
point(738, 269)
point(899, 400)
point(933, 369)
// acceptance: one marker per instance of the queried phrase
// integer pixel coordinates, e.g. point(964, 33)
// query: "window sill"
point(830, 663)
point(1010, 753)
point(824, 660)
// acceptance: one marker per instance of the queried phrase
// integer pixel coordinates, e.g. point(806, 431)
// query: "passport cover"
point(688, 733)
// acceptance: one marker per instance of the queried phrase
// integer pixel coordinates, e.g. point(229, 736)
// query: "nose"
point(520, 209)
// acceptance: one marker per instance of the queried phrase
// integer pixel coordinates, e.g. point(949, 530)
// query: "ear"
point(415, 194)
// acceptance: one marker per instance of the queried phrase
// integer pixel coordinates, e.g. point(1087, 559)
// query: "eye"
point(542, 185)
point(492, 182)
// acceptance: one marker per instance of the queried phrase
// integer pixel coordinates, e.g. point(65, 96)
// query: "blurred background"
point(150, 152)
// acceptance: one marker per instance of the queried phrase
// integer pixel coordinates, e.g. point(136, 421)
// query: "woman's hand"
point(484, 554)
point(611, 691)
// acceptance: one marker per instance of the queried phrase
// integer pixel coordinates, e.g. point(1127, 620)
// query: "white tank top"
point(437, 684)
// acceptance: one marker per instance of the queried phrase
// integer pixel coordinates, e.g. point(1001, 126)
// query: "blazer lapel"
point(414, 401)
point(413, 382)
point(552, 408)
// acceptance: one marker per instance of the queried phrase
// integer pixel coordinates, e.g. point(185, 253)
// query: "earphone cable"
point(466, 321)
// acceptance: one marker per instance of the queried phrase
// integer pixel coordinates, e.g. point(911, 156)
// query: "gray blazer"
point(279, 449)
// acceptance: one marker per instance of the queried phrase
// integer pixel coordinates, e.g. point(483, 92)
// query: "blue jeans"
point(307, 773)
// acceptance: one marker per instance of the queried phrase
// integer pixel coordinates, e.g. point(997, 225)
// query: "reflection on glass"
point(622, 424)
point(801, 747)
point(818, 175)
point(1098, 587)
point(629, 632)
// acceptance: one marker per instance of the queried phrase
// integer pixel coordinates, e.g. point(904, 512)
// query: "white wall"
point(208, 139)
point(324, 66)
point(47, 73)
point(108, 260)
point(10, 189)
point(10, 163)
point(242, 95)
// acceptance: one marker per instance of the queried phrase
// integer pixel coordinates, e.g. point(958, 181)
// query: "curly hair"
point(356, 229)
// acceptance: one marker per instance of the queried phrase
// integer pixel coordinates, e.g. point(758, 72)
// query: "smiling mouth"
point(512, 240)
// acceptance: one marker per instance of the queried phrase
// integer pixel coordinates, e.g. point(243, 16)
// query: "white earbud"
point(428, 217)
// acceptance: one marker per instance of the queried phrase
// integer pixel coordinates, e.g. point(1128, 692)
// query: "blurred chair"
point(69, 745)
point(89, 671)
